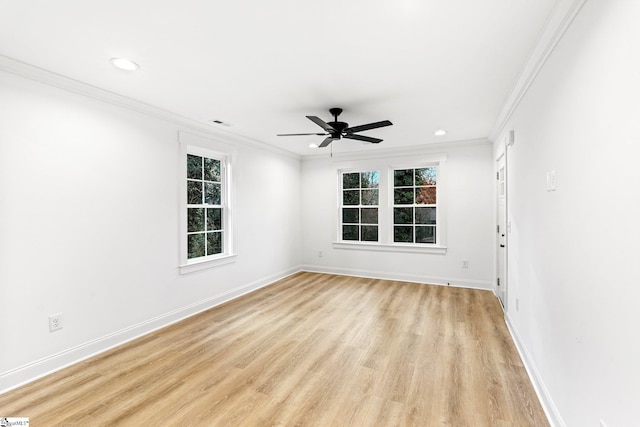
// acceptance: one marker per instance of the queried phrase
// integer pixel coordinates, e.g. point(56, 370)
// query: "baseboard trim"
point(27, 373)
point(550, 409)
point(418, 278)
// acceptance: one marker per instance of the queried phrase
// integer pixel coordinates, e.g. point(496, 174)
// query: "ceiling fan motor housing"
point(339, 126)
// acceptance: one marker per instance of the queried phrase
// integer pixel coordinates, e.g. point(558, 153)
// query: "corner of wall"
point(550, 409)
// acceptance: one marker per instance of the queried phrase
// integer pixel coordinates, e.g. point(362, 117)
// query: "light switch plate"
point(551, 180)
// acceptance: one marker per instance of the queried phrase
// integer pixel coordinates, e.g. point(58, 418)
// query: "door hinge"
point(498, 281)
point(498, 228)
point(498, 176)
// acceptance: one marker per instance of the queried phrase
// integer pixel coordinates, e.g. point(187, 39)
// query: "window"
point(392, 205)
point(415, 205)
point(206, 203)
point(359, 206)
point(205, 207)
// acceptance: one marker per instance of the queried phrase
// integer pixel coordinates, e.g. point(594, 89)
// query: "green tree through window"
point(205, 209)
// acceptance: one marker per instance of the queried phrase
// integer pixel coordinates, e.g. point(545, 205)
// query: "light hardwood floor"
point(310, 350)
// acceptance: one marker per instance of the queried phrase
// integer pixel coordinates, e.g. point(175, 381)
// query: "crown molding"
point(554, 29)
point(59, 81)
point(406, 151)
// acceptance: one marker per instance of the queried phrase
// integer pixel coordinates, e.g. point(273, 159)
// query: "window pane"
point(350, 215)
point(425, 234)
point(426, 176)
point(212, 193)
point(351, 180)
point(195, 219)
point(351, 197)
point(370, 179)
point(195, 244)
point(211, 169)
point(194, 166)
point(425, 215)
point(194, 192)
point(403, 215)
point(214, 243)
point(369, 233)
point(350, 232)
point(214, 219)
point(402, 177)
point(369, 197)
point(205, 220)
point(403, 234)
point(403, 196)
point(369, 216)
point(426, 196)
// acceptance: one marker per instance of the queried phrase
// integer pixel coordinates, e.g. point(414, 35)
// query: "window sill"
point(207, 263)
point(381, 247)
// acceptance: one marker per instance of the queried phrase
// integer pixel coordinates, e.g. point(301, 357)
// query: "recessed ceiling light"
point(313, 145)
point(124, 64)
point(440, 132)
point(220, 122)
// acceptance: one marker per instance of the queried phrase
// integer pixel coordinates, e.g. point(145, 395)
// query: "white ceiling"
point(261, 66)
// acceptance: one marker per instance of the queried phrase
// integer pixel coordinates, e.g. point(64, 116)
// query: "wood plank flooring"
point(310, 350)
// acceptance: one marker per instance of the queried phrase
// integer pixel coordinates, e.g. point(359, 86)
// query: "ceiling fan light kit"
point(337, 130)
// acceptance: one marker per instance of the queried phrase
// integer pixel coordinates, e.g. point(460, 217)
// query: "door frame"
point(502, 235)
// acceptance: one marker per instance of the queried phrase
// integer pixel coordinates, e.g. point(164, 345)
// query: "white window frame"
point(204, 147)
point(385, 205)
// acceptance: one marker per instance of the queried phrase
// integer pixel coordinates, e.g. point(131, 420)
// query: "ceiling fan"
point(337, 130)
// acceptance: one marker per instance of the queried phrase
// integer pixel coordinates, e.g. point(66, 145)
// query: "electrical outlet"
point(55, 322)
point(602, 424)
point(465, 263)
point(320, 254)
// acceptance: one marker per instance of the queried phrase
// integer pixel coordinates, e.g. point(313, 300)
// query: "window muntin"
point(415, 205)
point(205, 206)
point(359, 206)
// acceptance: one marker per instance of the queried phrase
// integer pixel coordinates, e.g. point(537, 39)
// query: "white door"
point(501, 229)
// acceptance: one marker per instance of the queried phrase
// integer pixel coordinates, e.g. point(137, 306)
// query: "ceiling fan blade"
point(368, 126)
point(326, 142)
point(362, 138)
point(321, 123)
point(300, 134)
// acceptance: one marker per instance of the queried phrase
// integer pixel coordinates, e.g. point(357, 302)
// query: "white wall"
point(89, 226)
point(573, 253)
point(469, 227)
